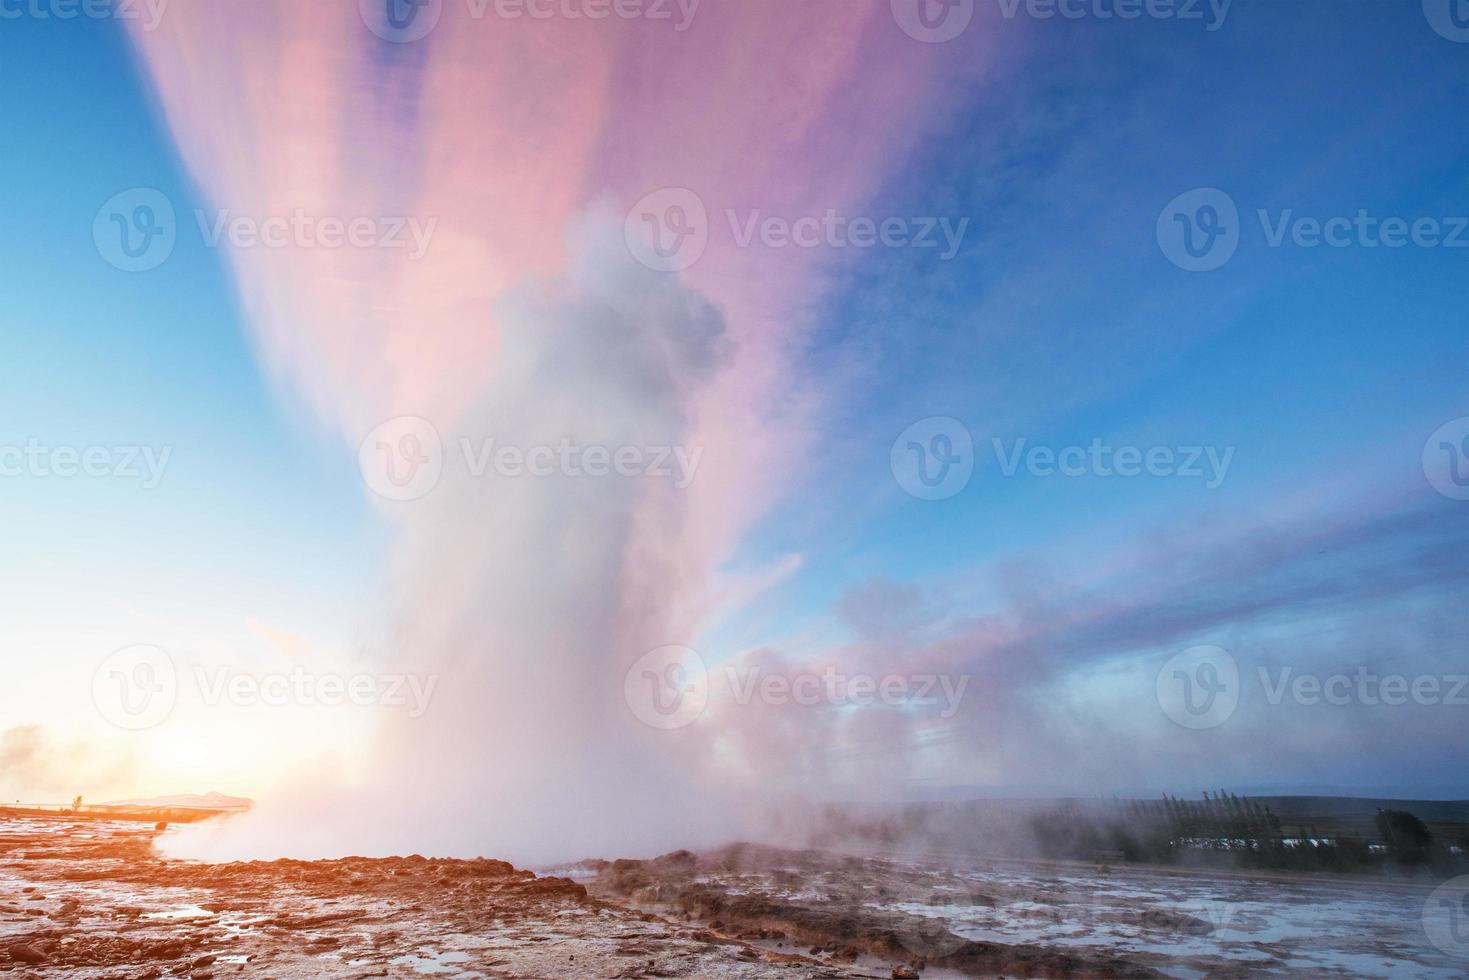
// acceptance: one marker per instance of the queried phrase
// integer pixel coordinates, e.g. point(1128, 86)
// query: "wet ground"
point(1015, 918)
point(90, 898)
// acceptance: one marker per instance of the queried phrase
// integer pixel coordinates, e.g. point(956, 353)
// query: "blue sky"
point(257, 519)
point(101, 356)
point(1301, 358)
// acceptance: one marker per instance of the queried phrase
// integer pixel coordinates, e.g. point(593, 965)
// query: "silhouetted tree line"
point(1232, 830)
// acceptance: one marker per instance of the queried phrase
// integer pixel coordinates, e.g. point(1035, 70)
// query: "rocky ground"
point(91, 898)
point(946, 915)
point(842, 910)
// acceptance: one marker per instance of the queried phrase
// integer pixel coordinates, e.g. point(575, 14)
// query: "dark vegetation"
point(1221, 829)
point(1225, 829)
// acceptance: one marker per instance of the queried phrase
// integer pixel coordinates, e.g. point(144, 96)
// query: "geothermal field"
point(734, 488)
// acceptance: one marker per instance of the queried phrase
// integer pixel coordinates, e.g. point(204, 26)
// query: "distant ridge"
point(184, 801)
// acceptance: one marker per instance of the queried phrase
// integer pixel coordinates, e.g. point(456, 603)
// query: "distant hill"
point(1338, 815)
point(1008, 826)
point(185, 801)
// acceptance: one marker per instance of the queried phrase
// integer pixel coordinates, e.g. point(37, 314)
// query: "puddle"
point(436, 963)
point(183, 912)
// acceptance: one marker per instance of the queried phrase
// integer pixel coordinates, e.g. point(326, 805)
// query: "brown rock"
point(169, 949)
point(23, 953)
